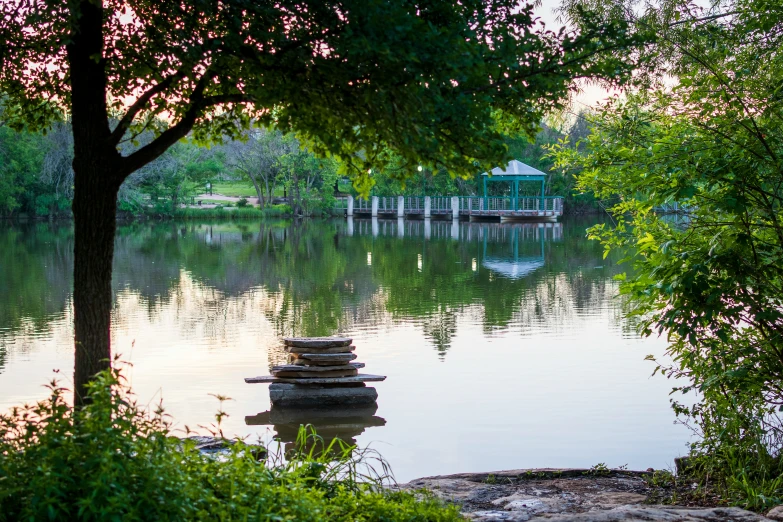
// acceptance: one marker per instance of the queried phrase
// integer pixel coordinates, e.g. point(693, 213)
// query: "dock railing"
point(468, 205)
point(414, 205)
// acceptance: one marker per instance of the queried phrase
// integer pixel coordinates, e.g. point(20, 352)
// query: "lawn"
point(245, 188)
point(234, 189)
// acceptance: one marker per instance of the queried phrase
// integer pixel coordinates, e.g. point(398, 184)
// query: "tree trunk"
point(267, 192)
point(94, 212)
point(258, 189)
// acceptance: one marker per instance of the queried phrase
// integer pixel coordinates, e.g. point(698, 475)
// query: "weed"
point(599, 470)
point(111, 460)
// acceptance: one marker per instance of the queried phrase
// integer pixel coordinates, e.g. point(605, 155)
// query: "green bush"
point(113, 461)
point(277, 210)
point(242, 203)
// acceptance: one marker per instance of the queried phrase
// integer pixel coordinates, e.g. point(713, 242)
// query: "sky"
point(590, 95)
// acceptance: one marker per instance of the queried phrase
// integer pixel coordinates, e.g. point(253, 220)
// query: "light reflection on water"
point(503, 344)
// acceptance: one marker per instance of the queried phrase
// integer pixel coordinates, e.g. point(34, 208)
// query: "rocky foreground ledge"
point(569, 495)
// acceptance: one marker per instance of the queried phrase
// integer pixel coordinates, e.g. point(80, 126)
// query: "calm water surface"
point(503, 344)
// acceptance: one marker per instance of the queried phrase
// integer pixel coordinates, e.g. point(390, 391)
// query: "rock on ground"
point(219, 447)
point(567, 495)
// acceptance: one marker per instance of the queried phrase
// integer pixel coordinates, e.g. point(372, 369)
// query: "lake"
point(504, 344)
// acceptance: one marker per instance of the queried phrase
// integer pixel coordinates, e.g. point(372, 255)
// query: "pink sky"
point(590, 94)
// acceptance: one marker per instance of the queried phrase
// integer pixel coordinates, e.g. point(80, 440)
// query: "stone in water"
point(288, 395)
point(362, 377)
point(307, 376)
point(317, 342)
point(297, 368)
point(311, 349)
point(308, 362)
point(328, 357)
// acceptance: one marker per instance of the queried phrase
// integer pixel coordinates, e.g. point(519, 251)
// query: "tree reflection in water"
point(310, 278)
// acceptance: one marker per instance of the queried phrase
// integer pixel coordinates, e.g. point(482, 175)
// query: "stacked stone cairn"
point(320, 372)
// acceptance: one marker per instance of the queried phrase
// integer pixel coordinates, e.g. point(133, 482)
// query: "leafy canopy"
point(710, 279)
point(428, 79)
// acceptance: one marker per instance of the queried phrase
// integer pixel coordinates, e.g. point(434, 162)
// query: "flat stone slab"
point(298, 368)
point(311, 349)
point(308, 362)
point(282, 395)
point(327, 357)
point(317, 342)
point(565, 495)
point(306, 375)
point(362, 377)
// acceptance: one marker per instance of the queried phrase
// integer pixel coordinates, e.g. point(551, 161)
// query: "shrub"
point(242, 203)
point(113, 461)
point(278, 210)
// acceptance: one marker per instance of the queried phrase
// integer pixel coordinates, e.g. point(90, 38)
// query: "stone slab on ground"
point(317, 342)
point(362, 377)
point(567, 495)
point(293, 395)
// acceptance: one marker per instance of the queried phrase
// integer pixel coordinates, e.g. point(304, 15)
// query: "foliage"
point(111, 460)
point(711, 280)
point(219, 212)
point(35, 173)
point(180, 173)
point(309, 181)
point(258, 155)
point(435, 82)
point(278, 210)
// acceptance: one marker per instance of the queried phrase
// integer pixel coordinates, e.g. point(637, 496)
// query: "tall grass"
point(222, 213)
point(112, 460)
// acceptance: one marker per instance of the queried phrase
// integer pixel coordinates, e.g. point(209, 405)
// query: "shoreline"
point(569, 495)
point(210, 214)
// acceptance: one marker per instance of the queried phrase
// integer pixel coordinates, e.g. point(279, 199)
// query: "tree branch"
point(173, 134)
point(139, 104)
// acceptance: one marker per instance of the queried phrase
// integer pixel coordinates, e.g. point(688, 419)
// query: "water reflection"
point(513, 325)
point(312, 278)
point(338, 422)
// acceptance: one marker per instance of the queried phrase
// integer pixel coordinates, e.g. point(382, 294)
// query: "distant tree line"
point(36, 174)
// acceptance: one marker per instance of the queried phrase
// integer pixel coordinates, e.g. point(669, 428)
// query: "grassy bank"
point(231, 213)
point(114, 461)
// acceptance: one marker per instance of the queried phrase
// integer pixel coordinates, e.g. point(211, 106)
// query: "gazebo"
point(514, 172)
